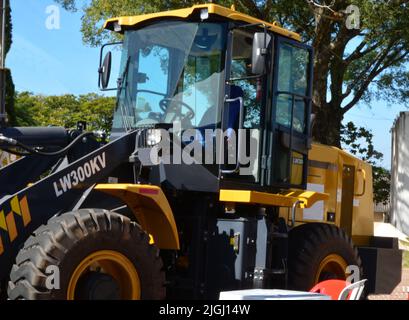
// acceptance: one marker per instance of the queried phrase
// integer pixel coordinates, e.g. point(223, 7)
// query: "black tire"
point(68, 239)
point(309, 245)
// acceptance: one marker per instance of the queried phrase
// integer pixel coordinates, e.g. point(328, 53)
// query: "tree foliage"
point(65, 110)
point(350, 64)
point(10, 90)
point(358, 141)
point(381, 184)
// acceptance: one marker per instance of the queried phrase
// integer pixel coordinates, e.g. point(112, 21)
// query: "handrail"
point(241, 124)
point(293, 212)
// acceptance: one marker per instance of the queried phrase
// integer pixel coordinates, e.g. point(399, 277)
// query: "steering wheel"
point(164, 105)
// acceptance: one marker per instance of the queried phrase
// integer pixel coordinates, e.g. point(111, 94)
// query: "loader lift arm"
point(23, 212)
point(45, 147)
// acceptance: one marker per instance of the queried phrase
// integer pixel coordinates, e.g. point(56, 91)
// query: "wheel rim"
point(332, 266)
point(113, 264)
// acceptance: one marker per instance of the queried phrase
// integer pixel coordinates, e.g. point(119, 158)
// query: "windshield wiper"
point(123, 76)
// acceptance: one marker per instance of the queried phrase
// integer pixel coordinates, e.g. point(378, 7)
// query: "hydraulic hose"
point(14, 143)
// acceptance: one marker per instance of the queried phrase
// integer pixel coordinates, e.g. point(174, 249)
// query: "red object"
point(330, 287)
point(259, 93)
point(148, 191)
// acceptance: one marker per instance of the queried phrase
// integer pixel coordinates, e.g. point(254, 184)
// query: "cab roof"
point(213, 9)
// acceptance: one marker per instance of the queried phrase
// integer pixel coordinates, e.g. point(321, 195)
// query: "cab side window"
point(292, 84)
point(240, 73)
point(292, 103)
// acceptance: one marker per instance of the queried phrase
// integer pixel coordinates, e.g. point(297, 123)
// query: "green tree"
point(358, 141)
point(381, 184)
point(355, 59)
point(97, 111)
point(65, 110)
point(24, 105)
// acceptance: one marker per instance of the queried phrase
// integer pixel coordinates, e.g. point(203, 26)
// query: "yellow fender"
point(151, 208)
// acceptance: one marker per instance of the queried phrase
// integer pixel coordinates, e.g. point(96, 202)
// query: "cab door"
point(287, 151)
point(245, 91)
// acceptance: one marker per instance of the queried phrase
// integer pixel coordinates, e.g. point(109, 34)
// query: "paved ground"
point(400, 292)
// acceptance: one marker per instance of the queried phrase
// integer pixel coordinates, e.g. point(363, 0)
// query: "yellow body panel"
point(323, 194)
point(288, 199)
point(326, 169)
point(133, 21)
point(151, 208)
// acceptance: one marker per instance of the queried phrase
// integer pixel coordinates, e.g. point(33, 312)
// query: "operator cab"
point(246, 78)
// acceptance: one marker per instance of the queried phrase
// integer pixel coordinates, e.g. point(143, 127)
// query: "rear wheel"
point(88, 255)
point(319, 252)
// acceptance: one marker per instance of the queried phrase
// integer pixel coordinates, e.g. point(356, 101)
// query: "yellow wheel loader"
point(209, 181)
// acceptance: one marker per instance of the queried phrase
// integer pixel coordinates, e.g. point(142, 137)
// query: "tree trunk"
point(327, 126)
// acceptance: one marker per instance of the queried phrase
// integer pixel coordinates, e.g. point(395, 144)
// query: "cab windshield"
point(171, 72)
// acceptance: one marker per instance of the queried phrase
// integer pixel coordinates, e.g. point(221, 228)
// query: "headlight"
point(153, 137)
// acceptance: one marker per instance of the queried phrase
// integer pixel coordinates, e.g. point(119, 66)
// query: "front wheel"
point(88, 255)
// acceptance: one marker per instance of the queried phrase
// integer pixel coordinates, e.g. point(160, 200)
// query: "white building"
point(400, 173)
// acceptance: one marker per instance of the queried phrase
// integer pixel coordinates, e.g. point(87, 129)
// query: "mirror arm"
point(111, 89)
point(264, 50)
point(102, 51)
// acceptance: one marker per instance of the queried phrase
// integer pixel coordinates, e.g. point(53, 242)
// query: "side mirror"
point(105, 71)
point(109, 64)
point(261, 42)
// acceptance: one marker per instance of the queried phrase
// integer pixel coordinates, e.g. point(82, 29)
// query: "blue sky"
point(50, 61)
point(57, 62)
point(379, 118)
